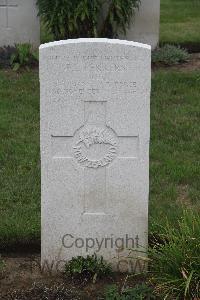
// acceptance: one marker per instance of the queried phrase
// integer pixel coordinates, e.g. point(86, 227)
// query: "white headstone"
point(19, 22)
point(146, 24)
point(95, 111)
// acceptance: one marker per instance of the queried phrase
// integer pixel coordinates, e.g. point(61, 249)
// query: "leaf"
point(13, 58)
point(16, 67)
point(35, 55)
point(188, 283)
point(94, 278)
point(83, 16)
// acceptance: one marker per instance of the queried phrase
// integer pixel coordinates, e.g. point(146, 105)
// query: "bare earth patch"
point(22, 278)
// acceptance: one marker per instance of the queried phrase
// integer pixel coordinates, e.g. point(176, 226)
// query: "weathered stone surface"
point(146, 24)
point(19, 22)
point(95, 124)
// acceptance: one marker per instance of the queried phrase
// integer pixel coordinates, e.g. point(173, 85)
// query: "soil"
point(23, 279)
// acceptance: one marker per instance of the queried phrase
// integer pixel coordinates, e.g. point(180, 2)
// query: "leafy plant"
point(85, 18)
point(175, 267)
point(139, 292)
point(170, 55)
point(23, 57)
point(89, 267)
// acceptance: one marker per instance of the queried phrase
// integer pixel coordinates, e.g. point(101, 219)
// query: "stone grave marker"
point(146, 24)
point(95, 127)
point(19, 23)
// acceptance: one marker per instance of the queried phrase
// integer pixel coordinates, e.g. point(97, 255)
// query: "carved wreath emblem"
point(90, 136)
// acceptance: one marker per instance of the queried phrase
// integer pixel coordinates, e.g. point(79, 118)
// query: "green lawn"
point(180, 22)
point(175, 136)
point(175, 144)
point(19, 157)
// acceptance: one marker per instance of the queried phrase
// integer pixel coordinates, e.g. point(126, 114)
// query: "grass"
point(175, 268)
point(19, 157)
point(174, 152)
point(174, 168)
point(138, 292)
point(180, 22)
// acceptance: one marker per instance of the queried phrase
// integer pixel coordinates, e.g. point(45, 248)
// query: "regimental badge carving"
point(94, 146)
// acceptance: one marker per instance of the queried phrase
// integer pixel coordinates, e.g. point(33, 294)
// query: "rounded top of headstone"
point(95, 40)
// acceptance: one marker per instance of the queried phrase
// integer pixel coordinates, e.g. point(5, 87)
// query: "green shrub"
point(84, 18)
point(23, 57)
point(170, 55)
point(139, 292)
point(87, 268)
point(175, 267)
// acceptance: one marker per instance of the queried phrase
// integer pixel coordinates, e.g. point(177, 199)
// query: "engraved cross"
point(95, 147)
point(8, 4)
